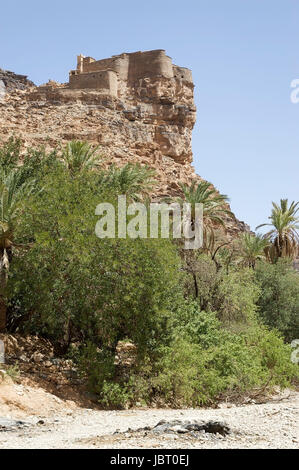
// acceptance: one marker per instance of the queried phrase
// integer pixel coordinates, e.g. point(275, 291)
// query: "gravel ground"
point(271, 425)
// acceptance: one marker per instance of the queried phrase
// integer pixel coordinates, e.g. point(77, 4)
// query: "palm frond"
point(78, 155)
point(284, 234)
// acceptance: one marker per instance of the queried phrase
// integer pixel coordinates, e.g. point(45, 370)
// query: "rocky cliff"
point(137, 107)
point(10, 81)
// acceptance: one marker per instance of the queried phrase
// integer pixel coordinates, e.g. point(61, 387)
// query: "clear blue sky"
point(243, 54)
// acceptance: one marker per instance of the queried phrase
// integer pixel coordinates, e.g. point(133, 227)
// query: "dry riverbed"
point(274, 424)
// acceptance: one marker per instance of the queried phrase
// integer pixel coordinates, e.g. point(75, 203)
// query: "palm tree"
point(284, 235)
point(79, 155)
point(13, 190)
point(131, 180)
point(253, 249)
point(214, 206)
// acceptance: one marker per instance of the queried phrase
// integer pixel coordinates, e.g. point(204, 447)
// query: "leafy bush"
point(10, 152)
point(201, 279)
point(237, 296)
point(202, 364)
point(72, 284)
point(251, 363)
point(196, 326)
point(114, 395)
point(279, 300)
point(232, 294)
point(96, 365)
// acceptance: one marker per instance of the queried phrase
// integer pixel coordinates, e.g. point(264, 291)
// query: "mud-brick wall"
point(105, 81)
point(149, 64)
point(133, 66)
point(182, 73)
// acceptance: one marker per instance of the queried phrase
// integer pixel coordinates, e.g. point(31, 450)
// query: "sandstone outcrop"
point(137, 107)
point(10, 81)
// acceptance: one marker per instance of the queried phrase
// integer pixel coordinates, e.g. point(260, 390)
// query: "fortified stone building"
point(109, 74)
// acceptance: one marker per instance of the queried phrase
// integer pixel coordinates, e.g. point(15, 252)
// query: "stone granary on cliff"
point(137, 107)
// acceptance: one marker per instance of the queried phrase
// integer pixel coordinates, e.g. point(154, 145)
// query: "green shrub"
point(196, 326)
point(279, 300)
point(232, 294)
point(114, 395)
point(10, 152)
point(96, 365)
point(247, 363)
point(237, 296)
point(202, 364)
point(72, 284)
point(202, 278)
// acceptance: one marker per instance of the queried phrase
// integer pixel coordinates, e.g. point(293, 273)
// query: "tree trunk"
point(195, 285)
point(3, 310)
point(4, 263)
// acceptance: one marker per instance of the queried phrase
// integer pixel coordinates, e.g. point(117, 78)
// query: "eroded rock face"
point(10, 81)
point(150, 121)
point(145, 116)
point(2, 89)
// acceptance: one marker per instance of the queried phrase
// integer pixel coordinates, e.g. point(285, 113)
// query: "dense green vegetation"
point(205, 323)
